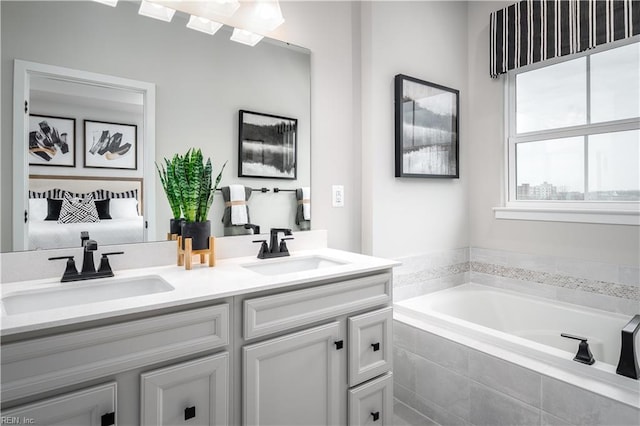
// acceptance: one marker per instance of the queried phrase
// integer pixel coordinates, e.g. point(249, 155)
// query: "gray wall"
point(201, 82)
point(618, 244)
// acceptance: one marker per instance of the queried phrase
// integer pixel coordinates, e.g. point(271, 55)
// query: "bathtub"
point(525, 330)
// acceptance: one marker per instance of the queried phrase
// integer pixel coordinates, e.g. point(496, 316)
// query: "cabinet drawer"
point(47, 363)
point(91, 406)
point(372, 403)
point(370, 341)
point(195, 392)
point(270, 314)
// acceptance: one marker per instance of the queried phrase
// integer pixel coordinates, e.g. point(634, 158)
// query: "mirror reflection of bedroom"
point(89, 151)
point(103, 107)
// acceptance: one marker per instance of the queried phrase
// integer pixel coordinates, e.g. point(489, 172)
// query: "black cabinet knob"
point(339, 344)
point(189, 413)
point(375, 346)
point(375, 415)
point(108, 419)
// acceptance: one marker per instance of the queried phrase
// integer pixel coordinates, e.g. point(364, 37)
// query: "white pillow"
point(122, 208)
point(37, 208)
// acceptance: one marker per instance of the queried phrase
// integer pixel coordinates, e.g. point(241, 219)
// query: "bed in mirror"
point(200, 84)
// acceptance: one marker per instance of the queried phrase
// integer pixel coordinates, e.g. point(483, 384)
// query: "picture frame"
point(110, 145)
point(51, 141)
point(426, 129)
point(267, 146)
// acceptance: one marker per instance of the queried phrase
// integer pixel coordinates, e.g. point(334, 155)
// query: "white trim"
point(612, 217)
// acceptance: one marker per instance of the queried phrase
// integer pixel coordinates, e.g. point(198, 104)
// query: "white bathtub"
point(528, 327)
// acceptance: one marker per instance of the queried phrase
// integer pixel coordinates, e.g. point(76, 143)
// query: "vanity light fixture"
point(224, 8)
point(267, 14)
point(112, 3)
point(153, 10)
point(246, 37)
point(203, 24)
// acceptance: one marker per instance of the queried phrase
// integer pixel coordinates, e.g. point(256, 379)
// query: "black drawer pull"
point(375, 416)
point(108, 419)
point(375, 346)
point(339, 344)
point(189, 413)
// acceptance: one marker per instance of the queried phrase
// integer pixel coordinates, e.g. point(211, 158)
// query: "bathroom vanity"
point(301, 340)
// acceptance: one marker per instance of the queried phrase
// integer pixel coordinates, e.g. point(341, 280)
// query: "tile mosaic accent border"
point(430, 274)
point(629, 292)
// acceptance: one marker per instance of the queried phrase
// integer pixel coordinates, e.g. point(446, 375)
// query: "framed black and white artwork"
point(267, 146)
point(52, 141)
point(426, 127)
point(110, 145)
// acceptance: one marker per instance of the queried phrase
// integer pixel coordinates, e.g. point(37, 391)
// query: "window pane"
point(614, 166)
point(550, 170)
point(615, 84)
point(552, 97)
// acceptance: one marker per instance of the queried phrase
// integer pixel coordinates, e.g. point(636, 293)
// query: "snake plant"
point(194, 182)
point(169, 182)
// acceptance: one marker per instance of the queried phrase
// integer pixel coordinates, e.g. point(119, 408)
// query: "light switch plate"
point(338, 195)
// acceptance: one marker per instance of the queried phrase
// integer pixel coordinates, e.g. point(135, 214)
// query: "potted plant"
point(196, 196)
point(169, 182)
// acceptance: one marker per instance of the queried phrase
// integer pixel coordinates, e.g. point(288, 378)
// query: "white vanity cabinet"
point(305, 377)
point(122, 352)
point(94, 406)
point(190, 393)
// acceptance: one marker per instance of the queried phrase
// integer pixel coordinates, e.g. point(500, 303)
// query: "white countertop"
point(228, 278)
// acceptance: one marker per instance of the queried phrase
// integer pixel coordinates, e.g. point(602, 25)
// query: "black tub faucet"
point(584, 353)
point(628, 364)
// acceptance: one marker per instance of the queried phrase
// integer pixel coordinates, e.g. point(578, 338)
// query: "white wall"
point(605, 243)
point(426, 40)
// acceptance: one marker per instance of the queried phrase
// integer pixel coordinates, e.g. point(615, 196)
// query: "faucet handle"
point(105, 267)
point(283, 244)
point(584, 354)
point(264, 248)
point(70, 269)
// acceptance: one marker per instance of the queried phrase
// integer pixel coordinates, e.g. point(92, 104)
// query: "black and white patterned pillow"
point(126, 194)
point(75, 210)
point(51, 193)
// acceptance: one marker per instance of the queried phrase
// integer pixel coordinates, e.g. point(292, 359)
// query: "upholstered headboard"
point(83, 184)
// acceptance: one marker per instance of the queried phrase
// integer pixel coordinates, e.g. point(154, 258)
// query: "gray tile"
point(404, 336)
point(429, 286)
point(551, 420)
point(438, 414)
point(407, 416)
point(599, 301)
point(405, 366)
point(505, 377)
point(448, 354)
point(527, 287)
point(581, 407)
point(587, 269)
point(630, 275)
point(404, 395)
point(404, 293)
point(533, 262)
point(491, 408)
point(442, 387)
point(496, 257)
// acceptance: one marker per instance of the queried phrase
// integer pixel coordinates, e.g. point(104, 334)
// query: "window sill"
point(613, 217)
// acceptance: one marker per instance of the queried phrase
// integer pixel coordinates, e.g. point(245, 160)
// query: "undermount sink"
point(290, 265)
point(79, 293)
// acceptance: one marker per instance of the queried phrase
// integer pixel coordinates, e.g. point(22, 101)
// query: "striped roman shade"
point(533, 31)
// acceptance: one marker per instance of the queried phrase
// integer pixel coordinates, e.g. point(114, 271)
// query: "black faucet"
point(628, 364)
point(584, 354)
point(256, 228)
point(88, 267)
point(275, 248)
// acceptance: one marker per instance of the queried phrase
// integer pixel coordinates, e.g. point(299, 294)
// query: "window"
point(574, 135)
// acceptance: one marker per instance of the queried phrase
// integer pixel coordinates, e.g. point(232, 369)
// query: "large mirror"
point(201, 84)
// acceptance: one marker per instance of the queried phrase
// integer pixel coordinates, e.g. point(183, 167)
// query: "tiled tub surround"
point(457, 380)
point(614, 288)
point(429, 272)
